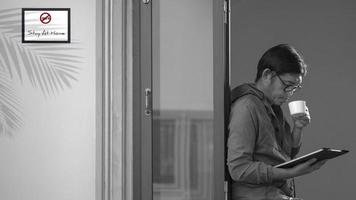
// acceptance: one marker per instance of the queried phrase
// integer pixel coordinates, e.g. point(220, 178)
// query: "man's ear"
point(267, 74)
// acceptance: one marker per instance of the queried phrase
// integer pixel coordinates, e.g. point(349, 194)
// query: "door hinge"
point(148, 102)
point(225, 12)
point(226, 190)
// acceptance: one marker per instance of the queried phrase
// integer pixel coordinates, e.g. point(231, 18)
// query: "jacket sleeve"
point(243, 129)
point(289, 141)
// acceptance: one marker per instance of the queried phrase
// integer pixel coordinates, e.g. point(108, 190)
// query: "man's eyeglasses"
point(287, 87)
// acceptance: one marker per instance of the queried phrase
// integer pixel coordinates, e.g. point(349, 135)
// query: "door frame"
point(220, 22)
point(142, 64)
point(114, 99)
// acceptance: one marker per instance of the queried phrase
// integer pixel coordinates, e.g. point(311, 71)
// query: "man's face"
point(283, 87)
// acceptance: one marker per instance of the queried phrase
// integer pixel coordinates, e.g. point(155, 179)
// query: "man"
point(259, 135)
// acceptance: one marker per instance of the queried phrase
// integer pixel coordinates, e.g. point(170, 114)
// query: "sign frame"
point(68, 38)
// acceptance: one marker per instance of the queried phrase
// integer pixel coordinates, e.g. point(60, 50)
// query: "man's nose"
point(290, 93)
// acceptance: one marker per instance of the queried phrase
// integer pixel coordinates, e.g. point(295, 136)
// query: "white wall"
point(52, 155)
point(324, 31)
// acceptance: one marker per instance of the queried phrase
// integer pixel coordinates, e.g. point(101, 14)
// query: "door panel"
point(181, 142)
point(182, 80)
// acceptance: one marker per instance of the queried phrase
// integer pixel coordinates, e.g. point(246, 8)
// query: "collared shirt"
point(259, 138)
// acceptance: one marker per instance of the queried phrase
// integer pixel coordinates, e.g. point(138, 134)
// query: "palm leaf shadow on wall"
point(50, 67)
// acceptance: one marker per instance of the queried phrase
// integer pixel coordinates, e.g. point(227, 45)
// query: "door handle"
point(148, 102)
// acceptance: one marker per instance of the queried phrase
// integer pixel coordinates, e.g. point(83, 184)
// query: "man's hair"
point(282, 59)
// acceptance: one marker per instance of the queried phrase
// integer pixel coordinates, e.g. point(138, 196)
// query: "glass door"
point(182, 94)
point(182, 155)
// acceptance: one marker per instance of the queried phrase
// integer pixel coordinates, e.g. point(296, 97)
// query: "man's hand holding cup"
point(300, 114)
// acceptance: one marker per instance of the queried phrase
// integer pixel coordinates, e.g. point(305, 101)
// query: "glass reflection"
point(182, 155)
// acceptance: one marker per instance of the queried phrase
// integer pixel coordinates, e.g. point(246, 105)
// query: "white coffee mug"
point(297, 107)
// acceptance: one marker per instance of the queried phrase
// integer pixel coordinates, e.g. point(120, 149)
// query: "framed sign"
point(46, 25)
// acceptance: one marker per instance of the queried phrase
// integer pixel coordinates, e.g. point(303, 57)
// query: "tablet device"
point(321, 154)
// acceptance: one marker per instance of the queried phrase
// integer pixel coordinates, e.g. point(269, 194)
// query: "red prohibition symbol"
point(45, 18)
